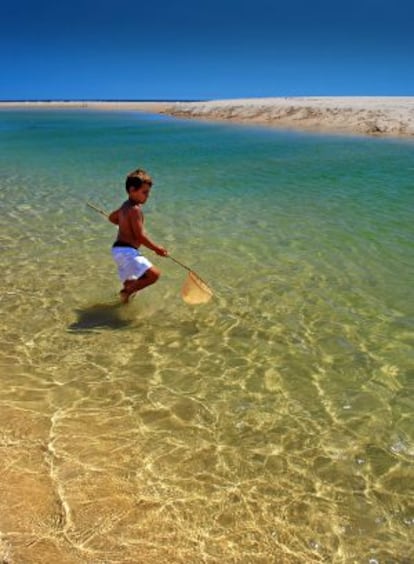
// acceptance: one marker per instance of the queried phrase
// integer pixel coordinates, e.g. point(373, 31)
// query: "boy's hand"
point(161, 251)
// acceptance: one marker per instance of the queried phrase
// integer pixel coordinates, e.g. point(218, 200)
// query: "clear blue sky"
point(166, 49)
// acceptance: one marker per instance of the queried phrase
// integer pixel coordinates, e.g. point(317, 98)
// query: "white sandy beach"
point(379, 116)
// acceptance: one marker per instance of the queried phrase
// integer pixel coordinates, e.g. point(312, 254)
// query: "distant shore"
point(150, 106)
point(376, 116)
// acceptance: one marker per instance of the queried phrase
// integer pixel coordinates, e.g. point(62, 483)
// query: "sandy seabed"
point(378, 116)
point(272, 427)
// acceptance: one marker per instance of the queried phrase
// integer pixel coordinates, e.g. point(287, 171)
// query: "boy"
point(135, 271)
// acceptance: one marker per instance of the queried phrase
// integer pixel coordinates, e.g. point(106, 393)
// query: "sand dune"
point(381, 116)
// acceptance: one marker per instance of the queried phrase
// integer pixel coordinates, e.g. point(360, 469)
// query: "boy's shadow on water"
point(99, 316)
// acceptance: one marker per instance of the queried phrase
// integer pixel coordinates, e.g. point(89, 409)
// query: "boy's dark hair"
point(137, 178)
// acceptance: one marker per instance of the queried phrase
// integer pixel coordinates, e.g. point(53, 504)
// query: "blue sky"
point(130, 49)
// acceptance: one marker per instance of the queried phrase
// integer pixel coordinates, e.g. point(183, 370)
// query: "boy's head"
point(136, 179)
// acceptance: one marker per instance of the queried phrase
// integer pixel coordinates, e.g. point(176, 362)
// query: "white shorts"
point(131, 264)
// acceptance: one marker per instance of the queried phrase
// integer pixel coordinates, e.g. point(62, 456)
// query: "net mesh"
point(195, 291)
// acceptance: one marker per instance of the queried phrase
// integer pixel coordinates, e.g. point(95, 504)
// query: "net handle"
point(99, 210)
point(181, 264)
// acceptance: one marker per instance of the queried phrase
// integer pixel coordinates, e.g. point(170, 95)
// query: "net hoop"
point(195, 290)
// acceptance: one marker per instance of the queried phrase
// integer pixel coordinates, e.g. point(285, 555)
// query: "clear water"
point(273, 424)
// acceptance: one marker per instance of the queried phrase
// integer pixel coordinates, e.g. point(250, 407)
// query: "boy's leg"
point(133, 286)
point(126, 291)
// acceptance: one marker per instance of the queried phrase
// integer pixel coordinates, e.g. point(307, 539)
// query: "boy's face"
point(140, 195)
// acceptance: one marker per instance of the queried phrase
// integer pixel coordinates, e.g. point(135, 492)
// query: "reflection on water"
point(273, 424)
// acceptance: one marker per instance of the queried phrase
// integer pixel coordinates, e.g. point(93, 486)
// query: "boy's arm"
point(114, 217)
point(142, 237)
point(150, 245)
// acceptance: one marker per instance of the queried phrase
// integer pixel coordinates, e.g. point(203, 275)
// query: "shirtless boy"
point(135, 271)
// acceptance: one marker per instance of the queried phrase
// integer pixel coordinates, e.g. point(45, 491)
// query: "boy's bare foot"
point(127, 291)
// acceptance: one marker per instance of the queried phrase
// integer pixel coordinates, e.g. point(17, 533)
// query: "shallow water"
point(273, 424)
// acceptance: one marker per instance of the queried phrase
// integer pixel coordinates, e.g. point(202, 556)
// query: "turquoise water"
point(273, 424)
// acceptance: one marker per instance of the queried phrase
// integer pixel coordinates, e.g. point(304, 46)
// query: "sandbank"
point(379, 116)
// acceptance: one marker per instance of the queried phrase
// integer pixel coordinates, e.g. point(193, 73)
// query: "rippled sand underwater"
point(273, 424)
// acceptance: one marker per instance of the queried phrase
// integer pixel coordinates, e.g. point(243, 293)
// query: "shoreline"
point(371, 115)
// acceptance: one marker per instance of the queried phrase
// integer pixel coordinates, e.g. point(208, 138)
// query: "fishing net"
point(195, 291)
